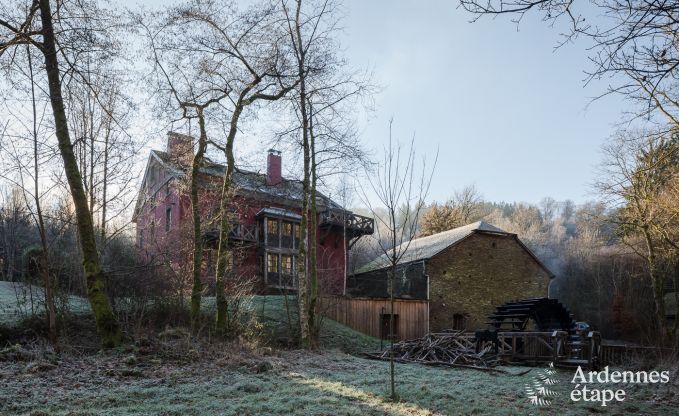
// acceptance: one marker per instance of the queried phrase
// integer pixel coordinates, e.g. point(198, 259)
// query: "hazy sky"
point(508, 113)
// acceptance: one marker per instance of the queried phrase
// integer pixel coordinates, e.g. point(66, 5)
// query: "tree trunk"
point(107, 325)
point(197, 289)
point(224, 254)
point(104, 183)
point(44, 258)
point(392, 279)
point(657, 283)
point(313, 249)
point(302, 258)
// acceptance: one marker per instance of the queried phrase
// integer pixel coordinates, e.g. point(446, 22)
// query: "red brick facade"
point(265, 221)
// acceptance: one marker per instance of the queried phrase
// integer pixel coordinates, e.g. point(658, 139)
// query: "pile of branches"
point(448, 349)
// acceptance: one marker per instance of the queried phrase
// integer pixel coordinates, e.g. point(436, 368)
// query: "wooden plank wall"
point(363, 315)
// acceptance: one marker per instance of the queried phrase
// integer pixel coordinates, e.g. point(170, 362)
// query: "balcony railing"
point(355, 224)
point(239, 232)
point(244, 232)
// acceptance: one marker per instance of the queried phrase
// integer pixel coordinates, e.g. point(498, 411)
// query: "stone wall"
point(469, 279)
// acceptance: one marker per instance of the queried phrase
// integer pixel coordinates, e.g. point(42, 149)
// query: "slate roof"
point(279, 212)
point(424, 248)
point(289, 189)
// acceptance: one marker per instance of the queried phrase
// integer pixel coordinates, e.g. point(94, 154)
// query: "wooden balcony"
point(355, 225)
point(246, 233)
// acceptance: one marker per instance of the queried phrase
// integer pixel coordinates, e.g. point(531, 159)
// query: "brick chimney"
point(180, 148)
point(273, 168)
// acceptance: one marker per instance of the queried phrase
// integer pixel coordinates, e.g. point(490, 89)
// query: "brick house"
point(265, 211)
point(449, 280)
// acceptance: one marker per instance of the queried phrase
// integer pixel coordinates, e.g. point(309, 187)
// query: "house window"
point(287, 234)
point(272, 232)
point(272, 273)
point(286, 265)
point(287, 275)
point(272, 263)
point(385, 327)
point(168, 219)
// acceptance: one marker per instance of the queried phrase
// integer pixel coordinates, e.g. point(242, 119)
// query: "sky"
point(507, 112)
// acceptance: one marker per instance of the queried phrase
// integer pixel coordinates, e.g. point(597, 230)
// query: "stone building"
point(462, 274)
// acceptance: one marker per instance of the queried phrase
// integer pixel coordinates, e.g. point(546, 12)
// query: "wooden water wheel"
point(537, 314)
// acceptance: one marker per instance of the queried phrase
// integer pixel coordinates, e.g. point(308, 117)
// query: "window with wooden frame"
point(272, 232)
point(273, 276)
point(272, 263)
point(286, 264)
point(287, 275)
point(287, 234)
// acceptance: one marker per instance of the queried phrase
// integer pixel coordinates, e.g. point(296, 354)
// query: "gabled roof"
point(424, 248)
point(243, 180)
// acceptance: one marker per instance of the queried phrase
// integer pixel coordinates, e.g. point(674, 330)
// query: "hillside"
point(270, 311)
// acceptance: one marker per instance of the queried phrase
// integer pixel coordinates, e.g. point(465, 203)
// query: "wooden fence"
point(617, 354)
point(370, 315)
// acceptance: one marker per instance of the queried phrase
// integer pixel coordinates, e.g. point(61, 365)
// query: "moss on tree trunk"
point(107, 326)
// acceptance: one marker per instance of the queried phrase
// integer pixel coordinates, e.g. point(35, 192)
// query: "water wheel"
point(537, 314)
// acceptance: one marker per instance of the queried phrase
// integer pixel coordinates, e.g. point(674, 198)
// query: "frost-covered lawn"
point(286, 383)
point(271, 311)
point(175, 376)
point(17, 300)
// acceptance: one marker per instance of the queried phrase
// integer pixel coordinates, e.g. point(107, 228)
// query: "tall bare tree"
point(634, 44)
point(324, 106)
point(248, 64)
point(60, 36)
point(641, 173)
point(192, 86)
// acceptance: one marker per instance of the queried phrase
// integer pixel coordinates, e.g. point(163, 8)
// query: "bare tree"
point(62, 36)
point(192, 84)
point(99, 116)
point(640, 172)
point(323, 126)
point(634, 44)
point(244, 58)
point(400, 185)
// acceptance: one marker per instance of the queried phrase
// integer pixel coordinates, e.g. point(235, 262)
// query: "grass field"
point(294, 383)
point(17, 300)
point(182, 377)
point(271, 311)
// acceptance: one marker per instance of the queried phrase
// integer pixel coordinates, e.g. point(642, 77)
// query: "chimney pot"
point(274, 168)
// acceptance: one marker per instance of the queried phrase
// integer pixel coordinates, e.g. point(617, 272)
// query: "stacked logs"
point(450, 349)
